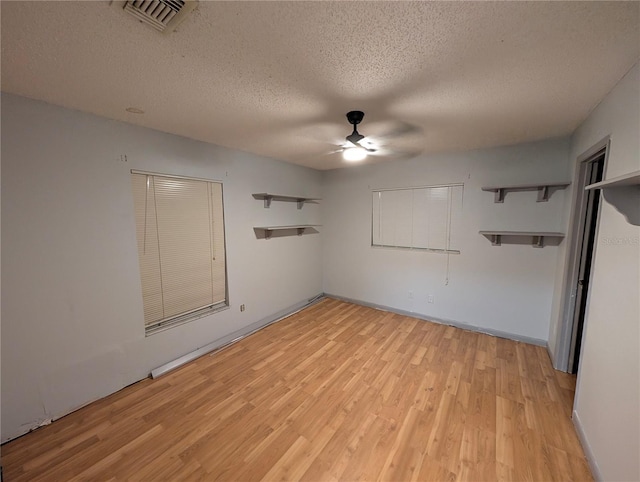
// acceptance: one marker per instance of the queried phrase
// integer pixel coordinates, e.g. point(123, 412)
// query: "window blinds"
point(181, 251)
point(418, 218)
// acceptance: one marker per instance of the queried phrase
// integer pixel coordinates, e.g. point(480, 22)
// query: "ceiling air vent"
point(163, 15)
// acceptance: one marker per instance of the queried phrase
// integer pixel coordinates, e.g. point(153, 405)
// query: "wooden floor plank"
point(335, 392)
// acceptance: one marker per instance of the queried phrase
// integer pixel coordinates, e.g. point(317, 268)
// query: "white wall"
point(505, 289)
point(72, 322)
point(607, 403)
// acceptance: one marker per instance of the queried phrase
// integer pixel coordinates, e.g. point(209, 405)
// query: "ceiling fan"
point(357, 146)
point(391, 139)
point(357, 151)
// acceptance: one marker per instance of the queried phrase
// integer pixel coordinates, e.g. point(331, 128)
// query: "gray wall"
point(607, 403)
point(506, 289)
point(72, 322)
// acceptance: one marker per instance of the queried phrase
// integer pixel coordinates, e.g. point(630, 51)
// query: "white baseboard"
point(593, 465)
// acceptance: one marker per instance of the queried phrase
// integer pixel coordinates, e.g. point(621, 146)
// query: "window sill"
point(409, 248)
point(181, 320)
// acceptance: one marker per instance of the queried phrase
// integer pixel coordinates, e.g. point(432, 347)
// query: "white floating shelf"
point(267, 197)
point(537, 237)
point(631, 179)
point(542, 188)
point(268, 230)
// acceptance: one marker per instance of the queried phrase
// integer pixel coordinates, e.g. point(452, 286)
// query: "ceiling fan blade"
point(327, 132)
point(369, 147)
point(359, 140)
point(398, 154)
point(322, 155)
point(359, 144)
point(397, 129)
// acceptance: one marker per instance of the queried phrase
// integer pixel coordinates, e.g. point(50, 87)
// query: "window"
point(181, 248)
point(426, 218)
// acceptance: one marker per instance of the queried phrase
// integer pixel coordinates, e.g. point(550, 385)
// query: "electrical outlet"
point(241, 307)
point(430, 298)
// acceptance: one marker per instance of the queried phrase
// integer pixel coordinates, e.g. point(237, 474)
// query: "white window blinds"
point(181, 250)
point(419, 218)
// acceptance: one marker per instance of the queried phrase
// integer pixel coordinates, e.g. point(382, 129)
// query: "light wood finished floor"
point(335, 392)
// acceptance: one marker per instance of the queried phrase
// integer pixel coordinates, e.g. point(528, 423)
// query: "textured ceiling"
point(276, 78)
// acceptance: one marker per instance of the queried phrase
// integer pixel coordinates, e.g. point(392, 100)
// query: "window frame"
point(195, 313)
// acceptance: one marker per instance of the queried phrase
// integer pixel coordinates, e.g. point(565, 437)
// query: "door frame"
point(562, 351)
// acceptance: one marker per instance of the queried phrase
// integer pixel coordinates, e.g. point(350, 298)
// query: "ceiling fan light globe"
point(354, 154)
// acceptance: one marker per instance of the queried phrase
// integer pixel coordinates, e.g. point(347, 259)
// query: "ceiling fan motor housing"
point(355, 117)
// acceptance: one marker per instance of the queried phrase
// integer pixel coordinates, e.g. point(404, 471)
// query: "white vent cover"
point(163, 15)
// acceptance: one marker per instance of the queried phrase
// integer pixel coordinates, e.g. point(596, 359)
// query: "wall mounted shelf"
point(267, 197)
point(300, 228)
point(537, 237)
point(626, 180)
point(623, 193)
point(544, 190)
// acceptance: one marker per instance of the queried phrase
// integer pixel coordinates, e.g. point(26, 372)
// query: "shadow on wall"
point(626, 200)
